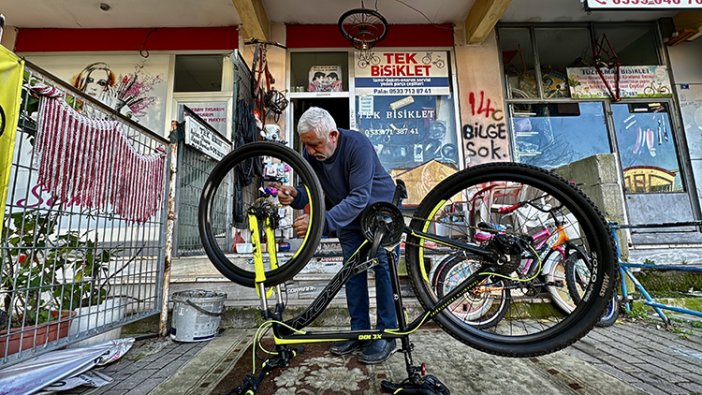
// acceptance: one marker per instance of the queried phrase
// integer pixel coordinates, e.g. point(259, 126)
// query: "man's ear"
point(334, 135)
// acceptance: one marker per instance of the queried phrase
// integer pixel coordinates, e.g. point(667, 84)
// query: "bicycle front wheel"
point(512, 202)
point(241, 219)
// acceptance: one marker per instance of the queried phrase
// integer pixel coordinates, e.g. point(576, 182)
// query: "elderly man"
point(352, 178)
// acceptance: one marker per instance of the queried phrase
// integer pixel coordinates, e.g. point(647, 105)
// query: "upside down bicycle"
point(443, 224)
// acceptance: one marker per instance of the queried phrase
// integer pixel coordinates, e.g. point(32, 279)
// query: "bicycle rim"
point(482, 307)
point(470, 201)
point(363, 26)
point(231, 243)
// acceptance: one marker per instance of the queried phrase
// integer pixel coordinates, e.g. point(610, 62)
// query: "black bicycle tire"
point(574, 326)
point(374, 13)
point(611, 313)
point(3, 121)
point(440, 277)
point(308, 247)
point(570, 274)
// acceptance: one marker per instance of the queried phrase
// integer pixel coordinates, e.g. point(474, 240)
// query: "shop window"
point(198, 73)
point(646, 148)
point(518, 61)
point(408, 131)
point(555, 57)
point(414, 136)
point(552, 135)
point(319, 72)
point(633, 45)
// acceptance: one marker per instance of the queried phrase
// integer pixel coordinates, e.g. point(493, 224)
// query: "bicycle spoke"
point(535, 230)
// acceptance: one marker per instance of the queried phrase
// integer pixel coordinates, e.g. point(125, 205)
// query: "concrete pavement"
point(629, 358)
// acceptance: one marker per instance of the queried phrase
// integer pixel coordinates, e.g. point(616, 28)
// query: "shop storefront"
point(401, 95)
point(577, 90)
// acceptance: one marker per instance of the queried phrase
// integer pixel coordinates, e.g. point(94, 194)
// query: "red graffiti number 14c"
point(483, 107)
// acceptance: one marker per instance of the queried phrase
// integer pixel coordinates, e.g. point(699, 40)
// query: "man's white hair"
point(317, 120)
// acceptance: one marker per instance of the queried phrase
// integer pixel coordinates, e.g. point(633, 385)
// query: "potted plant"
point(29, 284)
point(47, 275)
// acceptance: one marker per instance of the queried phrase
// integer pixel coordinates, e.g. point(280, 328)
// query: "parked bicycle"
point(435, 230)
point(267, 100)
point(629, 270)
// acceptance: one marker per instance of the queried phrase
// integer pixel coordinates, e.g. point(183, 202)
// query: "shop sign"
point(204, 139)
point(391, 73)
point(634, 82)
point(214, 113)
point(641, 4)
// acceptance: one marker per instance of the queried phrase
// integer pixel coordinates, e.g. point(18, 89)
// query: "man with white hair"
point(352, 178)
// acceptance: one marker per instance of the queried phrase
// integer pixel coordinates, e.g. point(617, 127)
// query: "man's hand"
point(286, 194)
point(300, 225)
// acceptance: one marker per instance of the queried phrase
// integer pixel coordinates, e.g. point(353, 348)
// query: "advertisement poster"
point(214, 113)
point(402, 73)
point(133, 86)
point(409, 132)
point(11, 68)
point(325, 79)
point(634, 82)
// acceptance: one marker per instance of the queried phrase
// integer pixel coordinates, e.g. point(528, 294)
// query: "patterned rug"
point(313, 372)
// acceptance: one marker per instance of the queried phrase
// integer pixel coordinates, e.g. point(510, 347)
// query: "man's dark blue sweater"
point(352, 178)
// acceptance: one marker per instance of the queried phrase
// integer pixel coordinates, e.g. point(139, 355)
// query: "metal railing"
point(82, 245)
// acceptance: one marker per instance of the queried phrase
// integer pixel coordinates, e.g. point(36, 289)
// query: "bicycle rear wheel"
point(230, 246)
point(517, 201)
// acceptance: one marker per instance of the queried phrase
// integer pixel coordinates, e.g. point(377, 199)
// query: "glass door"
point(654, 182)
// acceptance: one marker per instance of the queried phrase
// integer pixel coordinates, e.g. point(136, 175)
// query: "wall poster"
point(634, 82)
point(410, 133)
point(134, 86)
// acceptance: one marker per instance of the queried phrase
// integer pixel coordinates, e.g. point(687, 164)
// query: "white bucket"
point(196, 315)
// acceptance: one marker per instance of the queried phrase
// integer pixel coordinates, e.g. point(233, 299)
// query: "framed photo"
point(325, 79)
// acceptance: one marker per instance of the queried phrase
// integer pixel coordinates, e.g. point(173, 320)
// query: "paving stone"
point(695, 387)
point(145, 387)
point(650, 389)
point(625, 377)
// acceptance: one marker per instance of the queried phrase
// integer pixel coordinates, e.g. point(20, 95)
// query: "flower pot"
point(21, 339)
point(91, 317)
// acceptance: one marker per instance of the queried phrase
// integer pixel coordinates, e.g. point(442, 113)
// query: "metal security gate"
point(196, 162)
point(82, 245)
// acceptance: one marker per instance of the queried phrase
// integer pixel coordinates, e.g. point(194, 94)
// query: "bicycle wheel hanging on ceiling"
point(363, 27)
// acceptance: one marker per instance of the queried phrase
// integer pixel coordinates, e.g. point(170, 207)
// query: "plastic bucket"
point(196, 315)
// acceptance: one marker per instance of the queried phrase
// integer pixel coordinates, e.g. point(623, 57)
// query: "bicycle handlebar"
point(257, 41)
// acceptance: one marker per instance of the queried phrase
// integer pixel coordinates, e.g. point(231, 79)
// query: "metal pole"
point(163, 322)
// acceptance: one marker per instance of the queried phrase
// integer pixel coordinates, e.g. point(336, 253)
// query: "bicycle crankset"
point(385, 217)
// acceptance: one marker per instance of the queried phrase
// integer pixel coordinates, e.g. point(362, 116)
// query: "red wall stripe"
point(127, 39)
point(329, 36)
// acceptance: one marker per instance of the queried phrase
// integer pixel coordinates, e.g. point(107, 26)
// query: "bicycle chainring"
point(386, 217)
